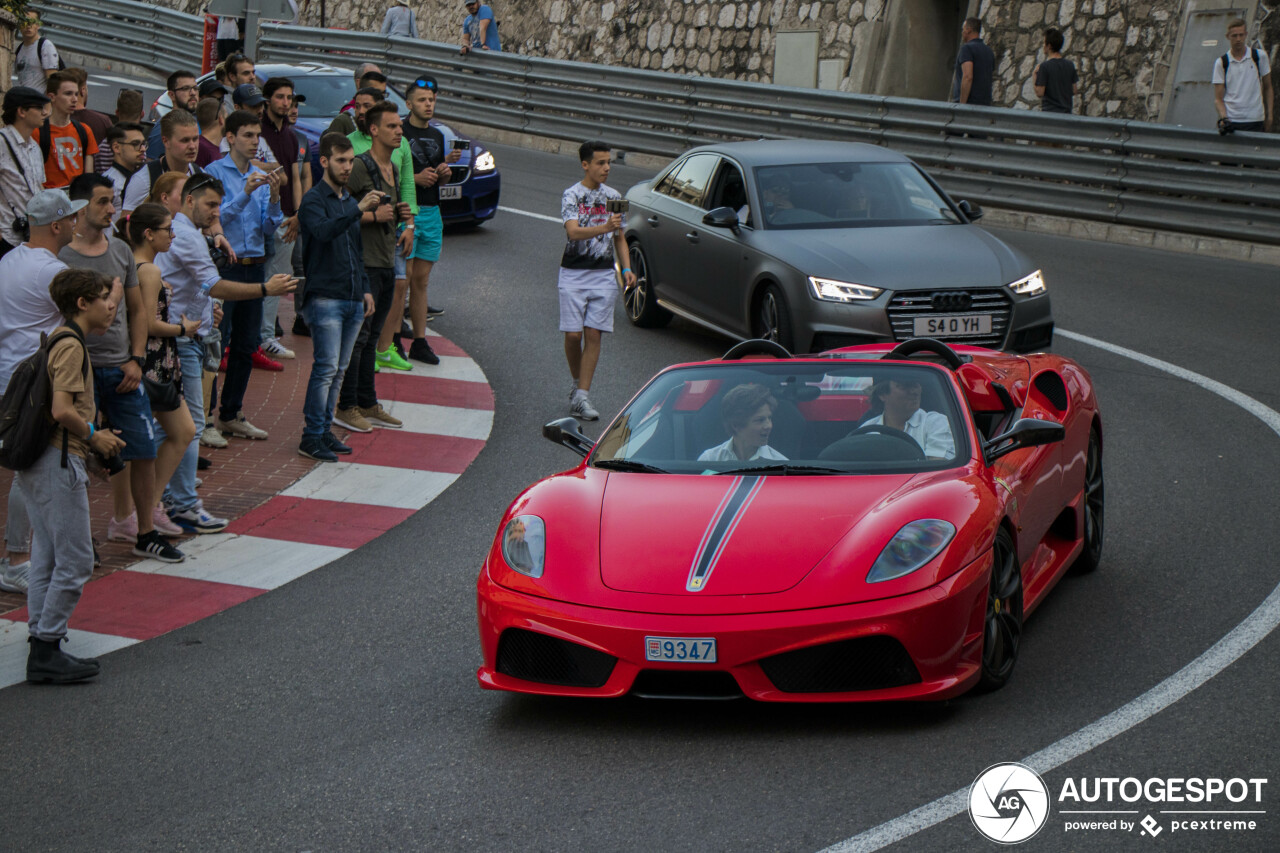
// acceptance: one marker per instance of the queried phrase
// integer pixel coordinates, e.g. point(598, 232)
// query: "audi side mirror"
point(567, 433)
point(970, 210)
point(1026, 432)
point(722, 217)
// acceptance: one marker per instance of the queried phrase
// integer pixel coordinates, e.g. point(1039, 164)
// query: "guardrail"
point(1107, 170)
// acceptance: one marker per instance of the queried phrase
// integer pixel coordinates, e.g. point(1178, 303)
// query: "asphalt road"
point(341, 712)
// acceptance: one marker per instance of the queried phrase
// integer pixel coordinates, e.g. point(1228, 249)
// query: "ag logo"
point(1008, 803)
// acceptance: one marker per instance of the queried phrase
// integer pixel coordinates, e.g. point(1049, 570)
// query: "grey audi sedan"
point(819, 245)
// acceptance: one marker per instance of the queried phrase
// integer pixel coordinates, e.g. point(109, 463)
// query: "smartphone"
point(461, 145)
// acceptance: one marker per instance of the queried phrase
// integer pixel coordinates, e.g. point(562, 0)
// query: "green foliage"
point(17, 8)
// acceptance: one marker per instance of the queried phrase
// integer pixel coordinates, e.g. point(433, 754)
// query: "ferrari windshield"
point(849, 195)
point(789, 418)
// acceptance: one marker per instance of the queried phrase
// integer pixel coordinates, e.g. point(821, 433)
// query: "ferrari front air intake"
point(863, 663)
point(549, 660)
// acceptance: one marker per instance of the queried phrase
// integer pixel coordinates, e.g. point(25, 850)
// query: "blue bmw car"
point(470, 197)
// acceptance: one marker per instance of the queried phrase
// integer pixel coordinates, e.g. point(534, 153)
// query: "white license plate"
point(958, 324)
point(680, 649)
point(447, 193)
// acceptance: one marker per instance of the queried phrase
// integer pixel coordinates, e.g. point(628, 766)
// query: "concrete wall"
point(1123, 48)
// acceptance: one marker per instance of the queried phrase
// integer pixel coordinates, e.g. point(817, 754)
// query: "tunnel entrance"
point(916, 49)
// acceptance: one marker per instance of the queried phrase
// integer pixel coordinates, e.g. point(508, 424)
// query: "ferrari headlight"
point(910, 548)
point(1032, 285)
point(829, 290)
point(486, 163)
point(524, 544)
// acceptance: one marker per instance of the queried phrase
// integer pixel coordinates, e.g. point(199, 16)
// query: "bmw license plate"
point(957, 324)
point(680, 649)
point(447, 193)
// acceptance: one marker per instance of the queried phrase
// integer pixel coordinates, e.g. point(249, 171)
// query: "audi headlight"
point(829, 290)
point(1032, 285)
point(910, 548)
point(485, 162)
point(524, 545)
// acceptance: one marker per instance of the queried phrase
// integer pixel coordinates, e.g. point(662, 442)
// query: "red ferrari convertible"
point(866, 524)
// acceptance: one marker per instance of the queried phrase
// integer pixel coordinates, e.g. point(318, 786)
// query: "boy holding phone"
point(587, 288)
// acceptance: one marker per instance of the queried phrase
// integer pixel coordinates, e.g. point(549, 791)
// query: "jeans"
point(357, 386)
point(335, 324)
point(62, 544)
point(17, 531)
point(181, 491)
point(241, 323)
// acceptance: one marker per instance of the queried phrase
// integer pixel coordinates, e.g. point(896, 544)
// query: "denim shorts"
point(129, 414)
point(402, 263)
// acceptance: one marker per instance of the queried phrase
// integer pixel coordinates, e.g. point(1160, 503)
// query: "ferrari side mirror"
point(567, 433)
point(1026, 432)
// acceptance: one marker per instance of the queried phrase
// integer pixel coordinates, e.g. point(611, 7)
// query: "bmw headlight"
point(485, 162)
point(829, 290)
point(910, 548)
point(524, 544)
point(1032, 285)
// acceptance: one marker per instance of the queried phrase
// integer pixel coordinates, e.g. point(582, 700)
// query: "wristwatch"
point(139, 360)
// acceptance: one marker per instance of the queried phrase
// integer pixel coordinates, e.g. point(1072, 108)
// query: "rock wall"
point(1122, 48)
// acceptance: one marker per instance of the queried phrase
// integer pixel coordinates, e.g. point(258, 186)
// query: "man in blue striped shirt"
point(250, 211)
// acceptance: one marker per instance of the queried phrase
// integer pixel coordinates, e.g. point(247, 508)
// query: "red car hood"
point(727, 535)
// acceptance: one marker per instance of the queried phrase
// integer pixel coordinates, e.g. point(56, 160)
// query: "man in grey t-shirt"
point(117, 358)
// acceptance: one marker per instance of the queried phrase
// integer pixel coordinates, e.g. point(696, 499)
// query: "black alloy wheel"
point(1094, 508)
point(772, 321)
point(1002, 632)
point(642, 306)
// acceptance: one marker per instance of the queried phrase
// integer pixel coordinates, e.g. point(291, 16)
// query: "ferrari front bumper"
point(940, 629)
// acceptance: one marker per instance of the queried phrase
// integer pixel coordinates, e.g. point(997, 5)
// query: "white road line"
point(128, 81)
point(376, 485)
point(442, 420)
point(251, 561)
point(541, 216)
point(1256, 626)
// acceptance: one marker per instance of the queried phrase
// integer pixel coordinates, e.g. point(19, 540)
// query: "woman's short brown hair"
point(742, 402)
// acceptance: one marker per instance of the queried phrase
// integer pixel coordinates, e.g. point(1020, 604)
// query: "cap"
point(25, 96)
point(48, 206)
point(212, 87)
point(248, 95)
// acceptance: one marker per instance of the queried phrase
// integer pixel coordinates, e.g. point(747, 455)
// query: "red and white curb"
point(392, 473)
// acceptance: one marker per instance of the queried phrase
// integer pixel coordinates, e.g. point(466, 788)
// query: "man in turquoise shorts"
point(430, 170)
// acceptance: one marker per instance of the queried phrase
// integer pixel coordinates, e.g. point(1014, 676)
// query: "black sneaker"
point(97, 558)
point(156, 547)
point(203, 463)
point(434, 312)
point(420, 350)
point(331, 441)
point(315, 448)
point(300, 327)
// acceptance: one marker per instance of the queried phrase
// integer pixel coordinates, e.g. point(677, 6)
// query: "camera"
point(22, 228)
point(1226, 126)
point(461, 145)
point(112, 464)
point(219, 257)
point(617, 205)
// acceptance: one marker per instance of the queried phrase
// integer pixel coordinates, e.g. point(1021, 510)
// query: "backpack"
point(1226, 64)
point(26, 409)
point(375, 173)
point(62, 66)
point(46, 141)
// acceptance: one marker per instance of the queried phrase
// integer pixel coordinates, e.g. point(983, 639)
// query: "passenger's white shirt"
point(931, 430)
point(724, 453)
point(1244, 85)
point(26, 308)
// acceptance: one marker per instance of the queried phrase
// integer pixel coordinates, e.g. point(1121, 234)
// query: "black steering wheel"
point(891, 432)
point(937, 347)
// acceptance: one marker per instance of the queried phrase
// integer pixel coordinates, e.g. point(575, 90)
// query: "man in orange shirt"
point(67, 145)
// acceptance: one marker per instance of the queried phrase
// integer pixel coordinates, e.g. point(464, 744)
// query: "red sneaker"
point(262, 361)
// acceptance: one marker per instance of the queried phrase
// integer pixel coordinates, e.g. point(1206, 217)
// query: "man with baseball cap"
point(21, 165)
point(27, 311)
point(479, 28)
point(213, 88)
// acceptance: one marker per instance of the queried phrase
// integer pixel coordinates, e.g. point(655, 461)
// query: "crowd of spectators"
point(163, 250)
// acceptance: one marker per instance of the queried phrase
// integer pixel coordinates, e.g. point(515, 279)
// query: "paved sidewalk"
point(291, 515)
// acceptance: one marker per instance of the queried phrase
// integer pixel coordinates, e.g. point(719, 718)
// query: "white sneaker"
point(13, 578)
point(212, 438)
point(240, 427)
point(581, 408)
point(273, 347)
point(198, 520)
